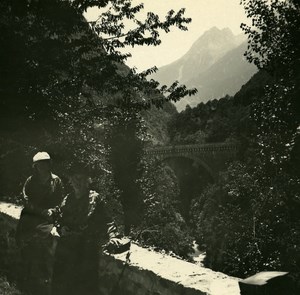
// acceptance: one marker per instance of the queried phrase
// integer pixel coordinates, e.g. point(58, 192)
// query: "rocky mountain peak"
point(214, 37)
point(205, 51)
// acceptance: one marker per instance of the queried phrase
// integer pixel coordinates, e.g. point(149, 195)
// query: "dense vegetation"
point(64, 88)
point(163, 225)
point(249, 221)
point(219, 120)
point(6, 287)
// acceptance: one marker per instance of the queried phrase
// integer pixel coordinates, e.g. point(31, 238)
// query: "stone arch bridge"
point(213, 157)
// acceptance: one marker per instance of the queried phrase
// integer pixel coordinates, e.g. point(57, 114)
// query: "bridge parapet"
point(228, 148)
point(212, 157)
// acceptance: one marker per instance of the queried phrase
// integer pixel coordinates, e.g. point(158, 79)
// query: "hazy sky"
point(204, 13)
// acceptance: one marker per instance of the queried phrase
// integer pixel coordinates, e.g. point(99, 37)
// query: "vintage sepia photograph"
point(149, 147)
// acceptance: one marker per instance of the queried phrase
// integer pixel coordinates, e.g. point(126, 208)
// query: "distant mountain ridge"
point(215, 65)
point(224, 77)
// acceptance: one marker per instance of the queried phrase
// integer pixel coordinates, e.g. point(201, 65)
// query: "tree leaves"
point(110, 25)
point(249, 220)
point(273, 37)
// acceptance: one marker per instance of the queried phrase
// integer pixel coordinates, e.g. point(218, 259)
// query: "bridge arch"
point(202, 166)
point(211, 156)
point(192, 175)
point(196, 160)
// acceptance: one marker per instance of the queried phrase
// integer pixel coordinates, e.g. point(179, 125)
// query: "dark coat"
point(38, 198)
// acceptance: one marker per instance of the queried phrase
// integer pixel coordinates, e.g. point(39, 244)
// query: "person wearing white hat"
point(43, 195)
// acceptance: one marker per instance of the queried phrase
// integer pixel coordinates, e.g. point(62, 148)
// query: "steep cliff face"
point(225, 77)
point(215, 65)
point(210, 47)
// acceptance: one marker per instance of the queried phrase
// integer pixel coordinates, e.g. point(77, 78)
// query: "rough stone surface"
point(146, 272)
point(163, 274)
point(9, 256)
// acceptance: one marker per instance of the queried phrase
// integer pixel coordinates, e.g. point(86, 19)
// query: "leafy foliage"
point(7, 288)
point(249, 221)
point(162, 225)
point(215, 121)
point(277, 47)
point(61, 72)
point(144, 32)
point(62, 77)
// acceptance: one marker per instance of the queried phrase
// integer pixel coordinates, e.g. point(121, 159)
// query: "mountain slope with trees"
point(219, 120)
point(248, 221)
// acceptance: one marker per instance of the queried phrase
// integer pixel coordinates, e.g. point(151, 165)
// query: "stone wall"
point(145, 272)
point(9, 259)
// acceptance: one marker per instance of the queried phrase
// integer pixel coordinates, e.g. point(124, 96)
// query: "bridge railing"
point(193, 148)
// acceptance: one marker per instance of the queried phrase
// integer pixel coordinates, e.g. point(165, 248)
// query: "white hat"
point(40, 156)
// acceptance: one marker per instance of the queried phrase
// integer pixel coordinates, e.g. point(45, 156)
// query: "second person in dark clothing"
point(84, 227)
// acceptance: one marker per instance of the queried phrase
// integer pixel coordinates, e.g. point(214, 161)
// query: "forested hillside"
point(248, 221)
point(156, 122)
point(222, 119)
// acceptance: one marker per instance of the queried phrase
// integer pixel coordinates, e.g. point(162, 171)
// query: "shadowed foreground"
point(145, 272)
